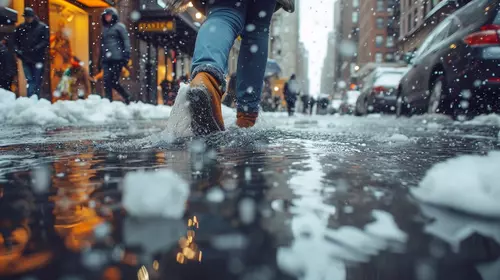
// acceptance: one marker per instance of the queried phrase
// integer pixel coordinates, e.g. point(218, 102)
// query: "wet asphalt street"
point(286, 201)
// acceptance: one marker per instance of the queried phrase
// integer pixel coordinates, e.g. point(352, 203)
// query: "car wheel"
point(437, 89)
point(402, 108)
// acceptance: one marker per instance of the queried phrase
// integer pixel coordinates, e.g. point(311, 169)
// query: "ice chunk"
point(179, 124)
point(385, 227)
point(468, 183)
point(398, 138)
point(155, 194)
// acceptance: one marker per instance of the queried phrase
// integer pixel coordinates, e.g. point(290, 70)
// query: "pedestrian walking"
point(226, 20)
point(291, 93)
point(8, 66)
point(115, 53)
point(31, 44)
point(312, 102)
point(305, 102)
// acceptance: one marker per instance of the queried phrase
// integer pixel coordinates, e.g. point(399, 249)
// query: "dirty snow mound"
point(491, 119)
point(155, 194)
point(94, 110)
point(468, 183)
point(399, 138)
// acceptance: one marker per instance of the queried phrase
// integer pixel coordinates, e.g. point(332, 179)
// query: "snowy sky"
point(316, 21)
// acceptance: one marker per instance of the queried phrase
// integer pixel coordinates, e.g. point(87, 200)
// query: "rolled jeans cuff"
point(212, 70)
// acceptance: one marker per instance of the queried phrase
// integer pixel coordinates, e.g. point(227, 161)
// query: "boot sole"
point(200, 105)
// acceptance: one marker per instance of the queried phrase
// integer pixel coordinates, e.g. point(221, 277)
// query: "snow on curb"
point(468, 183)
point(94, 110)
point(155, 194)
point(491, 119)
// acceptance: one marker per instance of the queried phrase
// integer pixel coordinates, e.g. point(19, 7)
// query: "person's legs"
point(225, 21)
point(30, 79)
point(38, 78)
point(115, 77)
point(252, 60)
point(108, 81)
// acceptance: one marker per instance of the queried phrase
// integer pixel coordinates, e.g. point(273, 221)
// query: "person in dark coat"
point(8, 66)
point(291, 93)
point(311, 104)
point(115, 53)
point(305, 103)
point(31, 44)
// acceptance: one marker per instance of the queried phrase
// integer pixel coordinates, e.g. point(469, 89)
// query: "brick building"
point(378, 32)
point(346, 30)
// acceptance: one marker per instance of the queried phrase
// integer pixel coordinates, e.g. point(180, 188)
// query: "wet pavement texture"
point(266, 203)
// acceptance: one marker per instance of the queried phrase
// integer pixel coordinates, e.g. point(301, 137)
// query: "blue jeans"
point(34, 77)
point(225, 21)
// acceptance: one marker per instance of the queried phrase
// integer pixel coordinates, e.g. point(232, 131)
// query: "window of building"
point(390, 42)
point(380, 23)
point(410, 22)
point(379, 41)
point(355, 17)
point(379, 57)
point(389, 57)
point(355, 3)
point(380, 5)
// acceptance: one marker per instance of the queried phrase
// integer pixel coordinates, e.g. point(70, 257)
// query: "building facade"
point(378, 33)
point(303, 68)
point(419, 18)
point(66, 20)
point(284, 43)
point(328, 69)
point(346, 28)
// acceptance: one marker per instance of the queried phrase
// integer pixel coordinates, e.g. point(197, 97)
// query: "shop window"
point(69, 36)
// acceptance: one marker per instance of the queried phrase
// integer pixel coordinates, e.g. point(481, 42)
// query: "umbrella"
point(272, 68)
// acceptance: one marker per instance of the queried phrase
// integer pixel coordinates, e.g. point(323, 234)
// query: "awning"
point(8, 16)
point(272, 68)
point(96, 3)
point(176, 32)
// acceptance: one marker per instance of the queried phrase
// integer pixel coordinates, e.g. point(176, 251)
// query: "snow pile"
point(491, 119)
point(398, 138)
point(468, 183)
point(155, 194)
point(311, 257)
point(94, 110)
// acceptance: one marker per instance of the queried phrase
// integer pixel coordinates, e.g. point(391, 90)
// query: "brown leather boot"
point(246, 120)
point(204, 98)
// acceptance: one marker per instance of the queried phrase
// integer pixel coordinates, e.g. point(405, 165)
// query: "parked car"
point(455, 71)
point(379, 92)
point(349, 102)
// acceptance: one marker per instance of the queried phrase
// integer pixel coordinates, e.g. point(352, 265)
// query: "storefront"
point(74, 30)
point(168, 42)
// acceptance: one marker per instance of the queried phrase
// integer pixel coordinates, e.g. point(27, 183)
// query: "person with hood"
point(291, 93)
point(8, 66)
point(31, 44)
point(226, 20)
point(115, 53)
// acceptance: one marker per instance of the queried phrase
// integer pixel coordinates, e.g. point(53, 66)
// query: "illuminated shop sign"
point(157, 26)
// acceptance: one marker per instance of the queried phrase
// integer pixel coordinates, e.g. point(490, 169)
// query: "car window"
point(473, 12)
point(388, 79)
point(435, 36)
